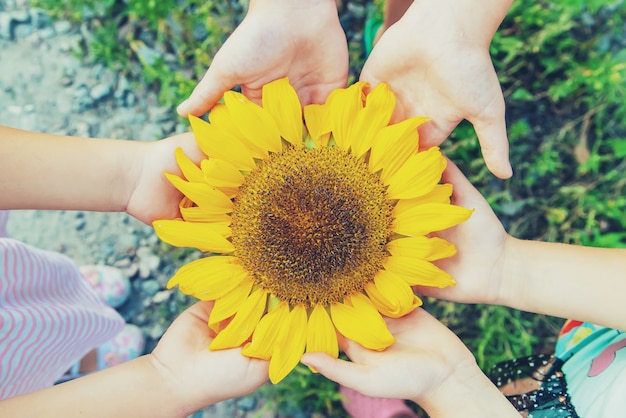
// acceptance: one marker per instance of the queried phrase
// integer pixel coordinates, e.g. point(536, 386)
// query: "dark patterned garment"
point(586, 377)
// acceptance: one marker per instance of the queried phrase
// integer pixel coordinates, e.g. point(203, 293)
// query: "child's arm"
point(44, 171)
point(178, 378)
point(568, 281)
point(427, 364)
point(490, 266)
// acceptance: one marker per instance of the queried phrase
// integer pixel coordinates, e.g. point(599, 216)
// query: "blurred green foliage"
point(562, 66)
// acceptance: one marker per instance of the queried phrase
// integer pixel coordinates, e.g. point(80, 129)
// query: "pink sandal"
point(110, 283)
point(358, 405)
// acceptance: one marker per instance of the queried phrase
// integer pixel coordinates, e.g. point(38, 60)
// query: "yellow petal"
point(193, 213)
point(218, 143)
point(321, 335)
point(221, 117)
point(291, 342)
point(265, 336)
point(318, 123)
point(229, 304)
point(421, 247)
point(207, 197)
point(211, 277)
point(244, 322)
point(427, 218)
point(417, 176)
point(394, 144)
point(203, 236)
point(391, 295)
point(343, 106)
point(440, 194)
point(189, 168)
point(220, 173)
point(418, 272)
point(281, 101)
point(255, 123)
point(376, 114)
point(359, 320)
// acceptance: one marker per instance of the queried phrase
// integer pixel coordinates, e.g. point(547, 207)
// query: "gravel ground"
point(44, 88)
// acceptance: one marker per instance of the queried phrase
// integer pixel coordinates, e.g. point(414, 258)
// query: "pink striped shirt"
point(49, 317)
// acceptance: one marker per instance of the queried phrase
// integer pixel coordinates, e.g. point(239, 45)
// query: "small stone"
point(123, 263)
point(150, 287)
point(79, 225)
point(132, 270)
point(62, 27)
point(148, 262)
point(100, 91)
point(161, 296)
point(157, 331)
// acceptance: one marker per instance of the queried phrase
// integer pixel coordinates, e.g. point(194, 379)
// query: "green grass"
point(562, 68)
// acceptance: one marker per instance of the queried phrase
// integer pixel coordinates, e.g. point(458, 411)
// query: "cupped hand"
point(481, 244)
point(447, 77)
point(153, 196)
point(201, 376)
point(425, 355)
point(301, 40)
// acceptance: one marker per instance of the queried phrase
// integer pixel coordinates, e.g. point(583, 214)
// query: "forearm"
point(134, 389)
point(468, 393)
point(290, 4)
point(568, 281)
point(43, 171)
point(457, 20)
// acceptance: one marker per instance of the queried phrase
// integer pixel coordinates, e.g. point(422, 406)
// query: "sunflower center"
point(311, 225)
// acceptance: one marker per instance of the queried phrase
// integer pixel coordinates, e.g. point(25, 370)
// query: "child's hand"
point(436, 60)
point(481, 244)
point(424, 356)
point(299, 39)
point(427, 364)
point(199, 376)
point(153, 196)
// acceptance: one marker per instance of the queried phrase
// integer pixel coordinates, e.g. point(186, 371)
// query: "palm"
point(153, 196)
point(184, 351)
point(480, 244)
point(448, 83)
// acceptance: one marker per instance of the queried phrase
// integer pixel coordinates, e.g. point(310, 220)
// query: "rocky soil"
point(45, 88)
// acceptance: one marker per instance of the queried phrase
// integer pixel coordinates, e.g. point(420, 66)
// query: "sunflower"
point(313, 227)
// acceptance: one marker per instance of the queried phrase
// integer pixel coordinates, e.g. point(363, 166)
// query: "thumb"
point(206, 94)
point(494, 144)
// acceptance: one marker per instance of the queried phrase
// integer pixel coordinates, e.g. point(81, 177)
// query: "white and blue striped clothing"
point(49, 317)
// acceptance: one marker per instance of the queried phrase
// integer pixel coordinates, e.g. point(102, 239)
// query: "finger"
point(432, 134)
point(433, 291)
point(206, 94)
point(254, 94)
point(494, 144)
point(355, 351)
point(463, 193)
point(200, 311)
point(343, 372)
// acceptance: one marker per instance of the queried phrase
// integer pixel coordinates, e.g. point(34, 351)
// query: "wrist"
point(458, 21)
point(511, 289)
point(181, 401)
point(290, 4)
point(466, 389)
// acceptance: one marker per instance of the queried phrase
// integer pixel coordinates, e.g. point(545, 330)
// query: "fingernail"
point(181, 108)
